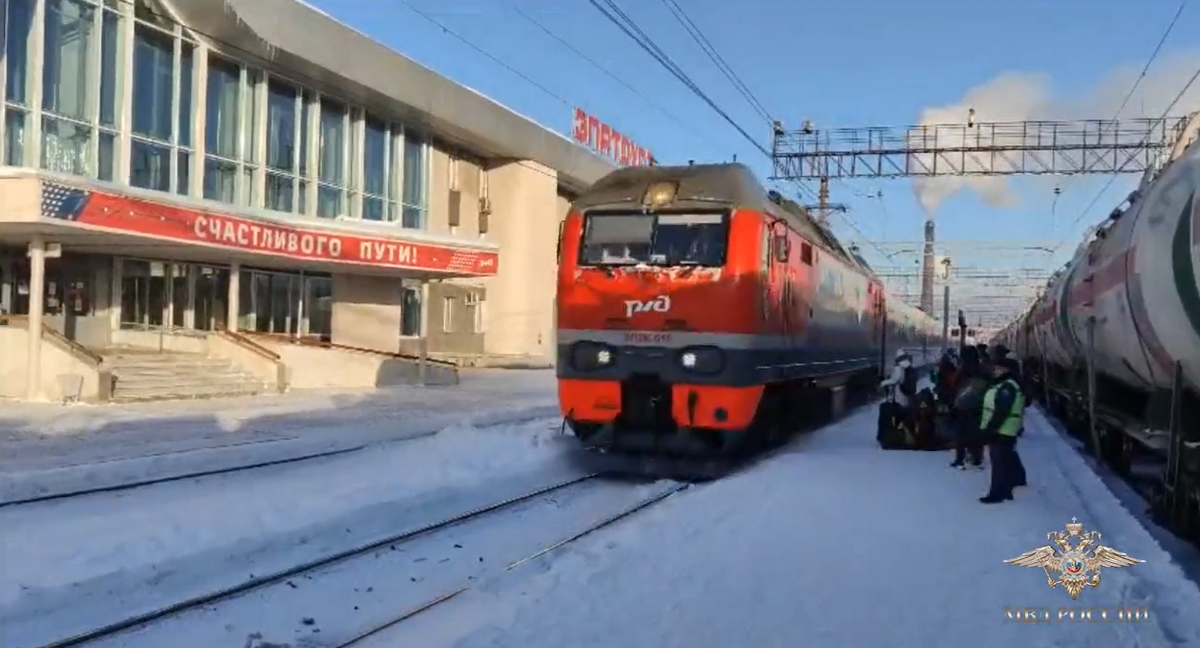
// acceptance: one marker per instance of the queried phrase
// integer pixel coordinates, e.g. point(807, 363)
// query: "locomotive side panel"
point(838, 337)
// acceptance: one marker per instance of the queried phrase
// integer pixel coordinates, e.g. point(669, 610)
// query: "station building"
point(254, 181)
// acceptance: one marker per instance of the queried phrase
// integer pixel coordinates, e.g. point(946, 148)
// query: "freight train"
point(1114, 340)
point(700, 314)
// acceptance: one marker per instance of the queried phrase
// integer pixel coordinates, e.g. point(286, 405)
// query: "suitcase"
point(891, 433)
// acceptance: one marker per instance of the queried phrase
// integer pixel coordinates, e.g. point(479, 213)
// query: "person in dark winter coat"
point(968, 401)
point(946, 377)
point(1013, 371)
point(1000, 422)
point(985, 359)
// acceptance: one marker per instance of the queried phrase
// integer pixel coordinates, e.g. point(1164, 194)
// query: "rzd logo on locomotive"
point(660, 304)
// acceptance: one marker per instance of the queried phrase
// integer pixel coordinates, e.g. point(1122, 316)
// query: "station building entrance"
point(156, 293)
point(118, 271)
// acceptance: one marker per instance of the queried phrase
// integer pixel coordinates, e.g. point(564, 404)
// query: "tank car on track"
point(1124, 314)
point(700, 314)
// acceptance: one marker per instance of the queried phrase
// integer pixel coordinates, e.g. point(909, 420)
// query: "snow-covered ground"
point(835, 543)
point(81, 562)
point(829, 543)
point(49, 449)
point(371, 589)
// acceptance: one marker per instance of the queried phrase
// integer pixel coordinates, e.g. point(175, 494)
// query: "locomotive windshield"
point(654, 239)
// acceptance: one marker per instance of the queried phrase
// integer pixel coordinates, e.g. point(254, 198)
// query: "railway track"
point(140, 620)
point(68, 493)
point(194, 474)
point(449, 595)
point(196, 610)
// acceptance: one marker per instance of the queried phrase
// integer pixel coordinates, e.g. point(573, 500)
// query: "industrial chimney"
point(927, 269)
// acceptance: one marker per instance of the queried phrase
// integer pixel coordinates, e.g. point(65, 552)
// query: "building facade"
point(200, 165)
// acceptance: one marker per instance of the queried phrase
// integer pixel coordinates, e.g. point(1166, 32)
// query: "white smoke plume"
point(1017, 96)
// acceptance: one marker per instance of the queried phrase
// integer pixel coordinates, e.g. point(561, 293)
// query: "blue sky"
point(840, 64)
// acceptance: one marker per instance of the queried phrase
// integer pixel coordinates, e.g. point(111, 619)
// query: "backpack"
point(908, 386)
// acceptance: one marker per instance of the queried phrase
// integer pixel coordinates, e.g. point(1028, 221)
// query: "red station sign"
point(607, 141)
point(295, 241)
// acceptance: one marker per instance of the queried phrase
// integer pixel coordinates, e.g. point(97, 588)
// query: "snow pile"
point(80, 562)
point(36, 437)
point(835, 543)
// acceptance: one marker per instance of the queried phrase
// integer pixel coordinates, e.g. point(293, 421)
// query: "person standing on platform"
point(999, 352)
point(1001, 421)
point(970, 385)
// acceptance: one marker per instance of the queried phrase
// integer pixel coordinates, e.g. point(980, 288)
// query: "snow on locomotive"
point(699, 313)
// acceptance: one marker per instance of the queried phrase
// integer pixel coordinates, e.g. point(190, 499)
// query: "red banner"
point(606, 141)
point(193, 226)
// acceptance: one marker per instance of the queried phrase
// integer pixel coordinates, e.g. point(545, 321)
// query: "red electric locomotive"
point(699, 313)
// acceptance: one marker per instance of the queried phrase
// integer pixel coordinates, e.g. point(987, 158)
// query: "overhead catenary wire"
point(714, 55)
point(613, 13)
point(717, 59)
point(489, 55)
point(1108, 184)
point(1129, 95)
point(567, 44)
point(629, 27)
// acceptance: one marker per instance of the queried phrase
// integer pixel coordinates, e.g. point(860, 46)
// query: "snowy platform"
point(45, 437)
point(834, 543)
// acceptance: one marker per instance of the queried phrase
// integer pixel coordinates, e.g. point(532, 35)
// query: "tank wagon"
point(1114, 339)
point(700, 314)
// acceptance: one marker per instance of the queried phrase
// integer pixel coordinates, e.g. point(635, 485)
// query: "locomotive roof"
point(730, 183)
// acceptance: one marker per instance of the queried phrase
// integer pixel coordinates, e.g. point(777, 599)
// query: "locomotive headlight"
point(702, 359)
point(590, 356)
point(660, 194)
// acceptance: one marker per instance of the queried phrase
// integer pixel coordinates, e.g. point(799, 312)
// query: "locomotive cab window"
point(806, 253)
point(691, 239)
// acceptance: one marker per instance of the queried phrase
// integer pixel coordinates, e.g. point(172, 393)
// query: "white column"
point(235, 292)
point(199, 116)
point(37, 298)
point(122, 164)
point(116, 288)
point(36, 52)
point(423, 363)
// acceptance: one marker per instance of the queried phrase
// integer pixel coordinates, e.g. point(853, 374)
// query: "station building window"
point(416, 164)
point(18, 29)
point(230, 132)
point(376, 205)
point(285, 303)
point(333, 177)
point(67, 131)
point(70, 287)
point(160, 149)
point(77, 103)
point(410, 309)
point(259, 130)
point(287, 147)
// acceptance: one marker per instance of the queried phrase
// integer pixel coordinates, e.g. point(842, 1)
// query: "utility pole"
point(823, 202)
point(823, 207)
point(946, 316)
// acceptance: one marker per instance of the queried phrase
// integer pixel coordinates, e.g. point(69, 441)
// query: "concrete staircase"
point(149, 375)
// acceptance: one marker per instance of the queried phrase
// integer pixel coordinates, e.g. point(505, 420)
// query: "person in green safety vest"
point(1001, 421)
